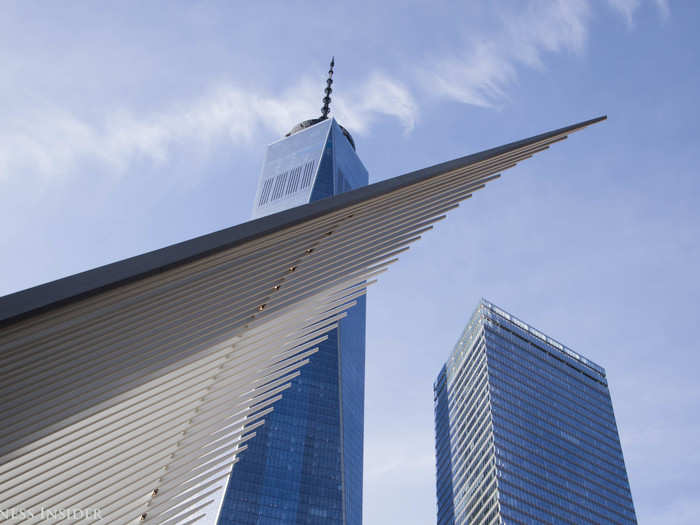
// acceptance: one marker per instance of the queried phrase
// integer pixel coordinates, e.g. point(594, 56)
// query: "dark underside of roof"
point(26, 303)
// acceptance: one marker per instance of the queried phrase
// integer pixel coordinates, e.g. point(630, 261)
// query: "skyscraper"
point(525, 431)
point(305, 464)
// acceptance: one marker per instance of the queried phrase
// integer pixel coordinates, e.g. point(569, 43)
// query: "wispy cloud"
point(479, 78)
point(484, 70)
point(626, 8)
point(52, 142)
point(481, 72)
point(380, 95)
point(664, 8)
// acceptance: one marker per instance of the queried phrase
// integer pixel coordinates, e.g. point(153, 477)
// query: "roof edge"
point(32, 301)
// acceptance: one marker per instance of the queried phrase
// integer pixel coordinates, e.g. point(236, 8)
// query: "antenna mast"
point(327, 99)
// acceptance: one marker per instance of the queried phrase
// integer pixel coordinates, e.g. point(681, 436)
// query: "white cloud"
point(626, 8)
point(480, 78)
point(52, 142)
point(380, 95)
point(482, 72)
point(664, 8)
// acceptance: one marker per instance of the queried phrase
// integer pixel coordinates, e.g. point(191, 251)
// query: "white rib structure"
point(137, 400)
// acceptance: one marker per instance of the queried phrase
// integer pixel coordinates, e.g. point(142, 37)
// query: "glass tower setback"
point(305, 464)
point(525, 431)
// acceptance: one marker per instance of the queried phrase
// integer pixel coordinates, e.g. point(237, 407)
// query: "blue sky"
point(128, 128)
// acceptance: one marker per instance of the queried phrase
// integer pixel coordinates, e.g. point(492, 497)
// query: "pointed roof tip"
point(594, 120)
point(585, 123)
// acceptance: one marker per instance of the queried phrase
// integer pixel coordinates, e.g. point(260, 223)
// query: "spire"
point(325, 110)
point(327, 99)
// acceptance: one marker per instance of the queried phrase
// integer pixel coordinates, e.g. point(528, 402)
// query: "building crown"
point(325, 110)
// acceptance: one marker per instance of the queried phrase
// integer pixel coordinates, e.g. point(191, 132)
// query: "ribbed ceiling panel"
point(138, 397)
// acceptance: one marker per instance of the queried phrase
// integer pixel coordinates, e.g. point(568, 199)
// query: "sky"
point(129, 126)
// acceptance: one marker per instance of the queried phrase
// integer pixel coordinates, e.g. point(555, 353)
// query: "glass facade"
point(304, 466)
point(525, 431)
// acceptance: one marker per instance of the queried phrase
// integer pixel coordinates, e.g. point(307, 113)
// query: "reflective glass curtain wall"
point(525, 431)
point(305, 464)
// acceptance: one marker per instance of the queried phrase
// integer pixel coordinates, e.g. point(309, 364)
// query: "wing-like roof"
point(133, 387)
point(61, 291)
